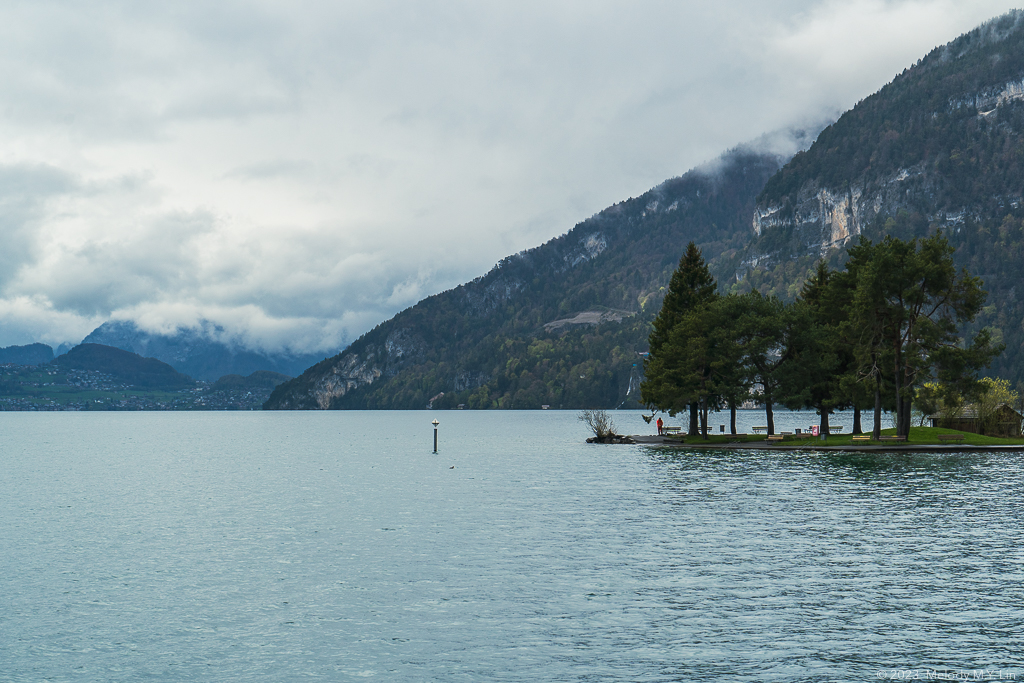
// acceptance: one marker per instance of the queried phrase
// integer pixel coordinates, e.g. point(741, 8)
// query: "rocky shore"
point(612, 438)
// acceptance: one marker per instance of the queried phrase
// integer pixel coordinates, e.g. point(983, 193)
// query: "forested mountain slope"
point(941, 147)
point(30, 354)
point(560, 324)
point(125, 366)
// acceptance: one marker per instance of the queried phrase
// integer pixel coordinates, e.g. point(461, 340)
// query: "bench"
point(862, 437)
point(671, 430)
point(758, 430)
point(952, 437)
point(776, 437)
point(892, 438)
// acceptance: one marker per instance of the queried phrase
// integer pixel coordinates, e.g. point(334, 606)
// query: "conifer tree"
point(819, 361)
point(691, 289)
point(764, 327)
point(702, 359)
point(909, 304)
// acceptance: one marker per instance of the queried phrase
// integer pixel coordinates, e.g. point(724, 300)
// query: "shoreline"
point(654, 440)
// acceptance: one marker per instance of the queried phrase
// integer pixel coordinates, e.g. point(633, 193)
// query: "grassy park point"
point(919, 436)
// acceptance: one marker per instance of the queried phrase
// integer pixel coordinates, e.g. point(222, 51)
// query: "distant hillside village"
point(98, 377)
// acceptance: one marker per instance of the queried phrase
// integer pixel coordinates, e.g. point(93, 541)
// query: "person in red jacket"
point(660, 425)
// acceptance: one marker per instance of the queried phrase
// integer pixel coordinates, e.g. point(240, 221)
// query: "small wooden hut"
point(1005, 423)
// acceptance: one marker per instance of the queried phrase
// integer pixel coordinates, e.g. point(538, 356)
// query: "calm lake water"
point(336, 546)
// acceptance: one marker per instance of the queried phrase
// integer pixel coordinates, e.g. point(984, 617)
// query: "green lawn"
point(918, 435)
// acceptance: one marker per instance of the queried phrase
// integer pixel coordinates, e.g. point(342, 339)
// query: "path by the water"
point(654, 440)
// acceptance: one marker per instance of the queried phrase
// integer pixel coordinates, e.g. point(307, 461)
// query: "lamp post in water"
point(435, 423)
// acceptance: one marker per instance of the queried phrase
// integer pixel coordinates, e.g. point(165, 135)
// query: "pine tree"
point(910, 303)
point(817, 354)
point(764, 325)
point(691, 289)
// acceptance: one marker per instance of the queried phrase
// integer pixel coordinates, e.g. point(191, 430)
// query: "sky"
point(298, 172)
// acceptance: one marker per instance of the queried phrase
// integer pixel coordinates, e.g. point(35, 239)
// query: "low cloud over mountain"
point(297, 174)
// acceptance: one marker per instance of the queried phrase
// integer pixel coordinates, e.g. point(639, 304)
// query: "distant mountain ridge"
point(30, 354)
point(261, 379)
point(196, 352)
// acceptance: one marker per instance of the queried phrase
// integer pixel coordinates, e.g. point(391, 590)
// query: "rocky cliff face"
point(351, 373)
point(821, 219)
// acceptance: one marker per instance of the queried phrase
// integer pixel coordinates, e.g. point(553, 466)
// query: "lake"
point(335, 546)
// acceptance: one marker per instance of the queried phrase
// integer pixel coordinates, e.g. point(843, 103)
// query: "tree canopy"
point(890, 321)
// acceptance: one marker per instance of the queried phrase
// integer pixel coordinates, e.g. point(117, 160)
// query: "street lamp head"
point(435, 423)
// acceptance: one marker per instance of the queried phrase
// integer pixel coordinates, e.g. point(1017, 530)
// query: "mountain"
point(941, 147)
point(31, 354)
point(124, 366)
point(261, 379)
point(562, 324)
point(197, 352)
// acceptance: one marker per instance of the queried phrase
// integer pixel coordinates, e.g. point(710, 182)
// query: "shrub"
point(599, 421)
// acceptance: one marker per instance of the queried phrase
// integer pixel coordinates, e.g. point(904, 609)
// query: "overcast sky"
point(301, 171)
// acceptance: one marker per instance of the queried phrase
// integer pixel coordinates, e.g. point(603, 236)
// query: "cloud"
point(299, 172)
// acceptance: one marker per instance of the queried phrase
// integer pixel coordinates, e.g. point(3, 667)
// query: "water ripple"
point(278, 547)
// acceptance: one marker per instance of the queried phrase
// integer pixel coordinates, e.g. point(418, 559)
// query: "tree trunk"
point(902, 410)
point(856, 421)
point(704, 418)
point(693, 420)
point(877, 431)
point(903, 428)
point(899, 402)
point(899, 416)
point(732, 416)
point(771, 417)
point(823, 428)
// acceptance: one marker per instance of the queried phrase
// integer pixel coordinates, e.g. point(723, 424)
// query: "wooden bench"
point(758, 430)
point(671, 430)
point(892, 438)
point(862, 437)
point(952, 437)
point(774, 438)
